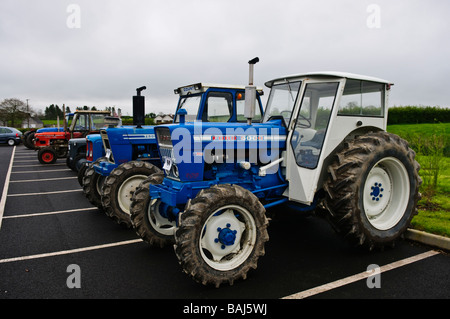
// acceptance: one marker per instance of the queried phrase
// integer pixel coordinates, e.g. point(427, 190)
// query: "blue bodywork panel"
point(206, 154)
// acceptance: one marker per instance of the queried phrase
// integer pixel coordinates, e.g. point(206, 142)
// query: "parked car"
point(10, 135)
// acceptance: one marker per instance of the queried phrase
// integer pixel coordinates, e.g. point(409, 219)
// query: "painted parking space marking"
point(6, 186)
point(52, 213)
point(43, 179)
point(360, 276)
point(44, 171)
point(71, 251)
point(46, 193)
point(34, 165)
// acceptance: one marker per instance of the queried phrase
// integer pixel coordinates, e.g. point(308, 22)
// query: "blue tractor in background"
point(131, 154)
point(322, 145)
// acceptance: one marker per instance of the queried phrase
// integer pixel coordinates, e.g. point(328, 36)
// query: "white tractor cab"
point(337, 142)
point(320, 110)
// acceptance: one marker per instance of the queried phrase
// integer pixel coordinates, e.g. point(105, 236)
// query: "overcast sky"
point(98, 52)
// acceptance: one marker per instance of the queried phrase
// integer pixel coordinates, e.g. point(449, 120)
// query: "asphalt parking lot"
point(48, 227)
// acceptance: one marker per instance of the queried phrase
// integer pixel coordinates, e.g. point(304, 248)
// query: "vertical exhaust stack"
point(250, 94)
point(139, 108)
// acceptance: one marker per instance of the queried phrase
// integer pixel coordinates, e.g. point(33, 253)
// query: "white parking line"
point(34, 165)
point(43, 179)
point(24, 156)
point(360, 276)
point(5, 187)
point(46, 193)
point(71, 251)
point(52, 213)
point(44, 171)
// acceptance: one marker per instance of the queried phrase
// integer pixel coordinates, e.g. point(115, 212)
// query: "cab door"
point(308, 134)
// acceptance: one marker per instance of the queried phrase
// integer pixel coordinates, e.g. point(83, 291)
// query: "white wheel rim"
point(126, 190)
point(228, 237)
point(159, 223)
point(386, 193)
point(11, 142)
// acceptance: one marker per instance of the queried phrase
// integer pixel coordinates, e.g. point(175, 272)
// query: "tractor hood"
point(186, 149)
point(130, 134)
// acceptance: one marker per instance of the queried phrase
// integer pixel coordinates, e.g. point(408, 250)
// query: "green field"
point(432, 145)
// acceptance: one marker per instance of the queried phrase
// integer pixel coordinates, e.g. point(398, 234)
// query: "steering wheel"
point(303, 118)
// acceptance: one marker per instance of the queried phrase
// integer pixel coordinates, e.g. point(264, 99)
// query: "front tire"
point(81, 172)
point(149, 225)
point(221, 235)
point(92, 184)
point(373, 189)
point(119, 186)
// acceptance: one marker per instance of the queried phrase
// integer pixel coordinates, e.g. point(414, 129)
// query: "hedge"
point(418, 114)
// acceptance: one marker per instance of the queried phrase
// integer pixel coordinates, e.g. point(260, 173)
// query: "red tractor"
point(54, 145)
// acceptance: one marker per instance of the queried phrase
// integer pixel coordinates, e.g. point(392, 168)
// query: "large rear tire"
point(119, 186)
point(221, 235)
point(151, 226)
point(373, 189)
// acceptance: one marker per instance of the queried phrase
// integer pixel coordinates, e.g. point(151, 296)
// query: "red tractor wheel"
point(47, 155)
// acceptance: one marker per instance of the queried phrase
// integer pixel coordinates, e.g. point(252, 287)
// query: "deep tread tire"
point(92, 184)
point(140, 218)
point(75, 166)
point(81, 172)
point(29, 141)
point(350, 178)
point(47, 155)
point(114, 206)
point(198, 213)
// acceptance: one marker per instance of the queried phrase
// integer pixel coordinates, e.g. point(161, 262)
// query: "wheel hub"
point(386, 193)
point(222, 235)
point(377, 192)
point(126, 191)
point(226, 236)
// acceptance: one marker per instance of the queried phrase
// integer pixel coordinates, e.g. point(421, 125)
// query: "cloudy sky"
point(85, 52)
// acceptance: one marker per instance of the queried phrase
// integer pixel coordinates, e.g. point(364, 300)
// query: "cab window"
point(362, 98)
point(218, 107)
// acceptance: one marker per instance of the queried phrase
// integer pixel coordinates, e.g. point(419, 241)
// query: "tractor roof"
point(202, 87)
point(92, 112)
point(327, 74)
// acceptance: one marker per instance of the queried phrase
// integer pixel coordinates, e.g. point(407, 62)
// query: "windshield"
point(98, 121)
point(191, 104)
point(281, 101)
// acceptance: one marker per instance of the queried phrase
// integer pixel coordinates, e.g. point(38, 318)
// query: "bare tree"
point(13, 111)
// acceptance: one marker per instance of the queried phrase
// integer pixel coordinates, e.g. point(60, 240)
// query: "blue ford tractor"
point(322, 144)
point(131, 154)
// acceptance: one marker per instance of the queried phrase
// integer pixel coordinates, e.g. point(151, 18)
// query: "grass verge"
point(431, 143)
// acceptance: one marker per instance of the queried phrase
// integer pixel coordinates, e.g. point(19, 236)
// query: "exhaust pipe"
point(250, 94)
point(139, 108)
